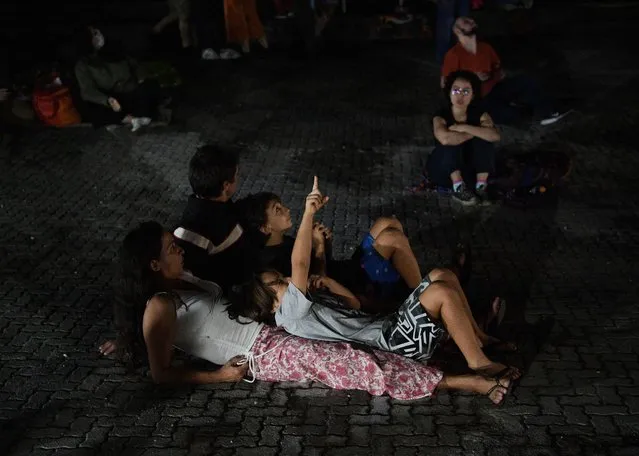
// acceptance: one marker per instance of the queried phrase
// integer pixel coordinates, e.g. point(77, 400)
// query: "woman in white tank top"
point(160, 306)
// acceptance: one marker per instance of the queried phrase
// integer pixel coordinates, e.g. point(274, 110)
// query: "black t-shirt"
point(473, 116)
point(277, 257)
point(217, 223)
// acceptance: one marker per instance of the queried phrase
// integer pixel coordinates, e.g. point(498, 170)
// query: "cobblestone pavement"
point(360, 119)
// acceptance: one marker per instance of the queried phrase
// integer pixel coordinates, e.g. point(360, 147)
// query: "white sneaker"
point(229, 54)
point(139, 122)
point(554, 117)
point(209, 54)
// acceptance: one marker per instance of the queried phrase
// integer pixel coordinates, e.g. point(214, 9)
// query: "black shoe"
point(463, 196)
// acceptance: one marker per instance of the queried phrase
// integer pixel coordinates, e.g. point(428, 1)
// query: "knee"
point(392, 238)
point(447, 276)
point(384, 223)
point(438, 293)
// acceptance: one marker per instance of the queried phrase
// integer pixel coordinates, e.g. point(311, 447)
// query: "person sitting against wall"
point(110, 85)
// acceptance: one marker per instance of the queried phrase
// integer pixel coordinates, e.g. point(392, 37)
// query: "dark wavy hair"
point(464, 75)
point(253, 300)
point(135, 284)
point(251, 211)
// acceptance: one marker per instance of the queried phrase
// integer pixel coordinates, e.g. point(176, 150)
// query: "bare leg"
point(442, 302)
point(164, 22)
point(475, 384)
point(450, 278)
point(185, 33)
point(392, 244)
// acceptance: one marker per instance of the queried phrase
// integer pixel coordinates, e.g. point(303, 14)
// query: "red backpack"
point(53, 103)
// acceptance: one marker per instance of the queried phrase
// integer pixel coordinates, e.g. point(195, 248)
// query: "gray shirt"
point(325, 319)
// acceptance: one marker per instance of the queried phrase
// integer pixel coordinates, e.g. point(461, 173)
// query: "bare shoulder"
point(160, 307)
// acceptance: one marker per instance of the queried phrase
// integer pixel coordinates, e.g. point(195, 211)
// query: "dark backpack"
point(525, 179)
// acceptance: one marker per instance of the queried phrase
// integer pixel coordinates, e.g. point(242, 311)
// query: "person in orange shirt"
point(503, 96)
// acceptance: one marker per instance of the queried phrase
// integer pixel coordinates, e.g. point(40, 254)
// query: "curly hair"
point(251, 211)
point(135, 284)
point(464, 75)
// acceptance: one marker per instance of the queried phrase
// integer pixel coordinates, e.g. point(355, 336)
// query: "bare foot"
point(497, 370)
point(495, 390)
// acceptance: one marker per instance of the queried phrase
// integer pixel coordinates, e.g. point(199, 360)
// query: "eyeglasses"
point(464, 92)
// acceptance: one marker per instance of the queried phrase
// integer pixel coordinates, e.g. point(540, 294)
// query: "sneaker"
point(554, 117)
point(463, 196)
point(229, 54)
point(139, 122)
point(209, 54)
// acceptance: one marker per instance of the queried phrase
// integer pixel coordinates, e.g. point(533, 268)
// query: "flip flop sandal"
point(498, 384)
point(485, 372)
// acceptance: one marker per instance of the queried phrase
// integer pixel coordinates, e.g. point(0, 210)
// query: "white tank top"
point(204, 328)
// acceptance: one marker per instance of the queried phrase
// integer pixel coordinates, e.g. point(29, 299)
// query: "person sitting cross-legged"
point(465, 135)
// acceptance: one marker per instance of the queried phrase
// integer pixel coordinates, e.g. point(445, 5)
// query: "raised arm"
point(158, 328)
point(301, 256)
point(446, 136)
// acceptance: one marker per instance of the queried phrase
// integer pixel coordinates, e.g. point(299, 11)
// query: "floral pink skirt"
point(282, 357)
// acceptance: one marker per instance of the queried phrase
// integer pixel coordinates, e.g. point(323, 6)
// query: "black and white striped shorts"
point(411, 332)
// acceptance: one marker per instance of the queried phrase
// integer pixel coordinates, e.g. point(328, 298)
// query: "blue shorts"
point(378, 269)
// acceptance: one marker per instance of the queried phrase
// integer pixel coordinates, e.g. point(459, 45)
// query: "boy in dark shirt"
point(216, 247)
point(382, 267)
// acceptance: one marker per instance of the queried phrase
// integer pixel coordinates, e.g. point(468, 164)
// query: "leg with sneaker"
point(444, 166)
point(208, 18)
point(483, 160)
point(243, 24)
point(520, 90)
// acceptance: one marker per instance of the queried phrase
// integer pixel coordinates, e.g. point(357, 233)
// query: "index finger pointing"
point(315, 184)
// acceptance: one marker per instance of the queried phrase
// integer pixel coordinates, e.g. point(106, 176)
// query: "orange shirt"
point(485, 60)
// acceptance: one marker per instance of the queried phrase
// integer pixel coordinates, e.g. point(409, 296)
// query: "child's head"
point(264, 212)
point(259, 298)
point(213, 172)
